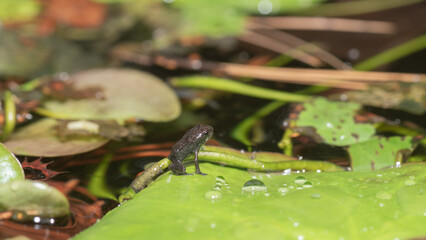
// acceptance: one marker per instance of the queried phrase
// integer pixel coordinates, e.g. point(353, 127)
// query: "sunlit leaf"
point(18, 10)
point(380, 152)
point(10, 167)
point(387, 204)
point(201, 17)
point(33, 198)
point(127, 94)
point(332, 122)
point(41, 139)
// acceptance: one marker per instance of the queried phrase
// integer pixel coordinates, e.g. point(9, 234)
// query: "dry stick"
point(281, 75)
point(324, 24)
point(319, 74)
point(346, 79)
point(279, 47)
point(298, 44)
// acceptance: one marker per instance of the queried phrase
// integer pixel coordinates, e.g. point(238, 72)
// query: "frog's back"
point(191, 142)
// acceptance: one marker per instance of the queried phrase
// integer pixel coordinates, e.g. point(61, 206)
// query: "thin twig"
point(323, 24)
point(278, 47)
point(297, 44)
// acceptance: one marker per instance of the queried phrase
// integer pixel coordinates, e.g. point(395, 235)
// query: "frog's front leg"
point(197, 166)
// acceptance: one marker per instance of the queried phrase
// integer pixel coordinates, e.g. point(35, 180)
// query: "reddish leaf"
point(39, 166)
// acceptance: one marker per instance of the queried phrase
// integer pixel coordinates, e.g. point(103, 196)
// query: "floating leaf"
point(387, 204)
point(127, 94)
point(33, 198)
point(410, 97)
point(380, 152)
point(10, 167)
point(40, 139)
point(332, 122)
point(103, 128)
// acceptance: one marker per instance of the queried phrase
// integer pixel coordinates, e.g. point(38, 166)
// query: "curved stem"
point(237, 87)
point(10, 115)
point(393, 54)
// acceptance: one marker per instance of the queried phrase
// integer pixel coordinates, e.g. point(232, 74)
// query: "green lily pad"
point(127, 94)
point(33, 198)
point(10, 167)
point(41, 139)
point(332, 122)
point(380, 152)
point(387, 204)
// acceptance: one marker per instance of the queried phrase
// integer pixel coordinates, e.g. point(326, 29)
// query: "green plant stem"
point(144, 179)
point(241, 162)
point(236, 87)
point(9, 114)
point(286, 143)
point(31, 85)
point(242, 130)
point(97, 185)
point(393, 54)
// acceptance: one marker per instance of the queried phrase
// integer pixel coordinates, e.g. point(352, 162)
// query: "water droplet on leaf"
point(300, 180)
point(220, 179)
point(254, 186)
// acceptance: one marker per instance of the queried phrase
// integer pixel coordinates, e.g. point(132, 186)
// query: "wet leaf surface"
point(41, 139)
point(385, 204)
point(332, 122)
point(127, 94)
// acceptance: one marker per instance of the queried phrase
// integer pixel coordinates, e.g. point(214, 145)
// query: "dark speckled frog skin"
point(190, 143)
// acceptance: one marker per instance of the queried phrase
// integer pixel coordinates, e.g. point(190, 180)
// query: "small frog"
point(189, 143)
